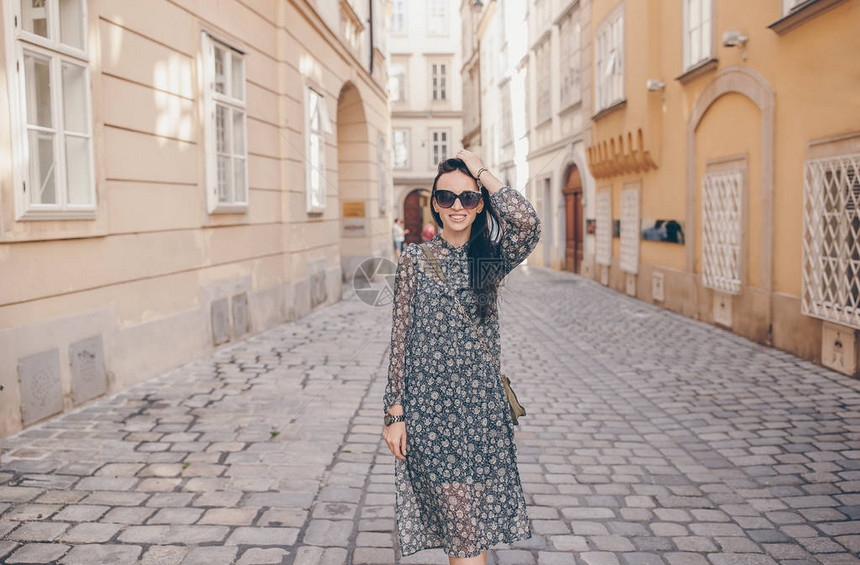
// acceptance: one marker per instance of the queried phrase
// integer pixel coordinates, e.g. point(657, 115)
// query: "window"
point(397, 82)
point(831, 239)
point(437, 19)
point(439, 81)
point(401, 148)
point(569, 32)
point(51, 111)
point(722, 201)
point(317, 125)
point(397, 22)
point(439, 144)
point(544, 101)
point(226, 149)
point(609, 64)
point(698, 23)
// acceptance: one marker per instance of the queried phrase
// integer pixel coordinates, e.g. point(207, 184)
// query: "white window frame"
point(830, 246)
point(394, 144)
point(437, 23)
point(315, 204)
point(609, 60)
point(401, 78)
point(17, 42)
point(439, 81)
point(705, 23)
point(233, 102)
point(436, 146)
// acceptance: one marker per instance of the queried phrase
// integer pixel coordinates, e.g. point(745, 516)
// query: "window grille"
point(831, 230)
point(603, 235)
point(630, 227)
point(721, 230)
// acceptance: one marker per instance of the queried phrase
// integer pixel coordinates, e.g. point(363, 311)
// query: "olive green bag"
point(517, 409)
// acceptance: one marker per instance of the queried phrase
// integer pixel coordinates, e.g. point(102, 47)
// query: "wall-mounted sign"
point(354, 218)
point(590, 224)
point(670, 231)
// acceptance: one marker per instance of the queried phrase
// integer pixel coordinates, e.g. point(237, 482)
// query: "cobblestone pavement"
point(650, 439)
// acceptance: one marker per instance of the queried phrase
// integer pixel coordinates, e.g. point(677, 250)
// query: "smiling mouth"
point(457, 217)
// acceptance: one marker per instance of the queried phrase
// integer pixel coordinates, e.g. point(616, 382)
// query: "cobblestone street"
point(650, 439)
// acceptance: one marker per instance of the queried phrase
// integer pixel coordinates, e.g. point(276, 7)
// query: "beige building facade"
point(426, 102)
point(175, 177)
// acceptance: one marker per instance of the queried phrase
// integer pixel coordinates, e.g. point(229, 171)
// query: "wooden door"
point(413, 216)
point(573, 250)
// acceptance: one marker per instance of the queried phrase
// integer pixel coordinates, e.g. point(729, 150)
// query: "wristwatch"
point(389, 419)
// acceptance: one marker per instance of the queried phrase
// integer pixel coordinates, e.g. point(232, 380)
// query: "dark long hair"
point(483, 251)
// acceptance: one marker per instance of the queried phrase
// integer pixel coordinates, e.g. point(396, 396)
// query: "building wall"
point(767, 101)
point(419, 113)
point(153, 277)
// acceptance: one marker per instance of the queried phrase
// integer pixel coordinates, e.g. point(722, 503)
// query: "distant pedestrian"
point(447, 418)
point(399, 232)
point(428, 232)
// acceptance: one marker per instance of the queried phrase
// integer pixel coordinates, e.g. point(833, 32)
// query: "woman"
point(456, 478)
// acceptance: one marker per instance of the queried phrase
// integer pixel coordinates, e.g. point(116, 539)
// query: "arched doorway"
point(573, 214)
point(415, 210)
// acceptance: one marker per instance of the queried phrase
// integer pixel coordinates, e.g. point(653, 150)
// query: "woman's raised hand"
point(472, 161)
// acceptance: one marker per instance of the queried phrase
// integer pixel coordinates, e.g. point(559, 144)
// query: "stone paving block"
point(25, 512)
point(309, 555)
point(37, 531)
point(335, 510)
point(164, 555)
point(328, 533)
point(176, 516)
point(38, 553)
point(6, 547)
point(211, 556)
point(599, 558)
point(80, 513)
point(257, 556)
point(92, 532)
point(106, 554)
point(264, 536)
point(372, 556)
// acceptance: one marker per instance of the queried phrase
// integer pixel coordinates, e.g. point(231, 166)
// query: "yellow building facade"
point(724, 147)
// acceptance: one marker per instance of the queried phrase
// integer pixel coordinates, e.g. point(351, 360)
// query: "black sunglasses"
point(468, 198)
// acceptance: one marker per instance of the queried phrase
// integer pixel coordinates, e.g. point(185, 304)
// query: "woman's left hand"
point(472, 161)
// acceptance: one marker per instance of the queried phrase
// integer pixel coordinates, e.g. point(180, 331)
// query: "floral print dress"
point(459, 487)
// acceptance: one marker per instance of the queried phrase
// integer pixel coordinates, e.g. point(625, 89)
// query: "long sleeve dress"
point(459, 487)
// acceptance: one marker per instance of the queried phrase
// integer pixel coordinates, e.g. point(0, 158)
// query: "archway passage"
point(413, 215)
point(573, 214)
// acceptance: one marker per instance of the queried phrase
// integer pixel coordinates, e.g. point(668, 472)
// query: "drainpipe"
point(370, 24)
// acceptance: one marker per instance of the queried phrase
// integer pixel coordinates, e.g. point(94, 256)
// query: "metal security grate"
point(603, 237)
point(831, 226)
point(721, 230)
point(630, 230)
